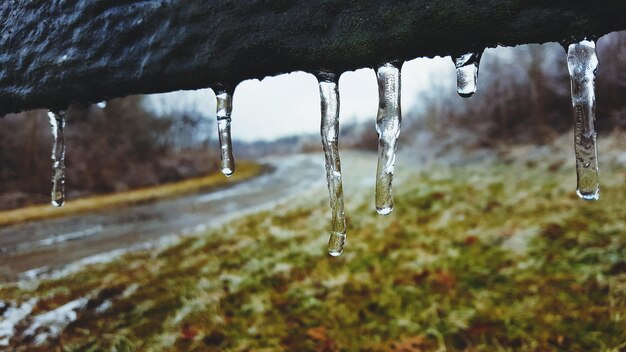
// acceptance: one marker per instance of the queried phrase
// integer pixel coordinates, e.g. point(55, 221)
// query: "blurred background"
point(147, 140)
point(487, 249)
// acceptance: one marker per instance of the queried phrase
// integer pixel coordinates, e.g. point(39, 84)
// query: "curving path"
point(29, 249)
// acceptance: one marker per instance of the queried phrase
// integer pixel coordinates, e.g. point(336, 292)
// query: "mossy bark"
point(57, 52)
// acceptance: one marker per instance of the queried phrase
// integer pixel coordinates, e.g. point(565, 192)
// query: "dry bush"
point(120, 147)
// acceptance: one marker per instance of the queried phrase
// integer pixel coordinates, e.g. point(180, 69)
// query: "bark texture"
point(57, 52)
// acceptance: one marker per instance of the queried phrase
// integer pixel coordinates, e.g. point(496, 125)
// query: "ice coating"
point(467, 73)
point(224, 109)
point(329, 96)
point(582, 63)
point(388, 123)
point(57, 124)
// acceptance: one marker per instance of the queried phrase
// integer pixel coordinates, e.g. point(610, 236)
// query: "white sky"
point(289, 104)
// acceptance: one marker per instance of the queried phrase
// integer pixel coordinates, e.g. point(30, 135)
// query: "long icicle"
point(582, 63)
point(224, 110)
point(388, 123)
point(329, 96)
point(467, 73)
point(57, 124)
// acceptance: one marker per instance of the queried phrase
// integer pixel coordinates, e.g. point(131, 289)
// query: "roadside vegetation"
point(245, 170)
point(491, 256)
point(115, 149)
point(488, 248)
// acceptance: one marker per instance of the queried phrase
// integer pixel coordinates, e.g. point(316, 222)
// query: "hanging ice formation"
point(582, 63)
point(57, 124)
point(329, 96)
point(224, 109)
point(388, 123)
point(467, 73)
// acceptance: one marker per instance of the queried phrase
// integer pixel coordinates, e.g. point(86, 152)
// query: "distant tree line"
point(523, 97)
point(119, 147)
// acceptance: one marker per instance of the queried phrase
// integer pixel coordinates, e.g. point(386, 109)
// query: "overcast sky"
point(289, 104)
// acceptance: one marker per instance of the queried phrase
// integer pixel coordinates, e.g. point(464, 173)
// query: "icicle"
point(102, 104)
point(329, 96)
point(57, 123)
point(388, 127)
point(467, 73)
point(582, 63)
point(224, 109)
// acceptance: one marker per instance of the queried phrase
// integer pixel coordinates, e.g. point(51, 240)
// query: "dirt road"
point(33, 248)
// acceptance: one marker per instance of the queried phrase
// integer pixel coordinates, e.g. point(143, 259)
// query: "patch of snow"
point(106, 305)
point(11, 317)
point(71, 236)
point(77, 266)
point(52, 323)
point(56, 239)
point(130, 290)
point(33, 273)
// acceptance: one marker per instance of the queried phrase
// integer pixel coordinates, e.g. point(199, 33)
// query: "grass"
point(245, 170)
point(490, 257)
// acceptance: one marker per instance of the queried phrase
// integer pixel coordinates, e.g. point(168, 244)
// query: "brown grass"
point(245, 170)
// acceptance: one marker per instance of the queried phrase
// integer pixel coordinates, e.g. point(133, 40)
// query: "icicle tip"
point(336, 243)
point(384, 210)
point(593, 196)
point(227, 171)
point(58, 202)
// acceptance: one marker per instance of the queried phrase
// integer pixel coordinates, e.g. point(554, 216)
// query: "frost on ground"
point(50, 324)
point(12, 315)
point(492, 255)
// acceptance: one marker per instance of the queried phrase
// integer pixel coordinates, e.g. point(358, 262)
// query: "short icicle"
point(582, 63)
point(224, 109)
point(388, 123)
point(467, 73)
point(329, 96)
point(57, 124)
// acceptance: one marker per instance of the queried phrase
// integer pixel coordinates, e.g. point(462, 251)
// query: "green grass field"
point(486, 257)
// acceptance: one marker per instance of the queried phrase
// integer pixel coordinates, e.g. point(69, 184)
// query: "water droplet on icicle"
point(224, 110)
point(57, 124)
point(467, 73)
point(582, 63)
point(388, 123)
point(329, 96)
point(102, 104)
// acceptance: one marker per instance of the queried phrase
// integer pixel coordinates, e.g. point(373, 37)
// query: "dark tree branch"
point(57, 52)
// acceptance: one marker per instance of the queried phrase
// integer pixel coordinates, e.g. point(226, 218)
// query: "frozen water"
point(224, 110)
point(57, 124)
point(49, 325)
point(467, 73)
point(11, 317)
point(582, 63)
point(329, 96)
point(388, 123)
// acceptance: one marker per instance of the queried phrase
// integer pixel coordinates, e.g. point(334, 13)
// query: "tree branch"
point(57, 52)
